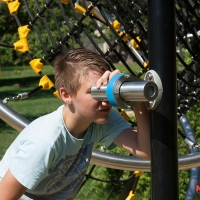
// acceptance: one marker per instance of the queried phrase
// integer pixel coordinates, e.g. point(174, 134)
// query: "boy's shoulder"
point(45, 125)
point(50, 118)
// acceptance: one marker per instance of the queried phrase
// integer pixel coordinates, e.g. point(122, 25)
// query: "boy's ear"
point(65, 96)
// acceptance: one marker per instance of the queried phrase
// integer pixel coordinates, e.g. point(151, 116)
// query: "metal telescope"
point(125, 91)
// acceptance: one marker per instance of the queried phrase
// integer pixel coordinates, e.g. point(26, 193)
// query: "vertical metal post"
point(162, 59)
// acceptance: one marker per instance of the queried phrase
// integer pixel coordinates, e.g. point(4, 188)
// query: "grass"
point(37, 104)
point(19, 79)
point(133, 66)
point(11, 72)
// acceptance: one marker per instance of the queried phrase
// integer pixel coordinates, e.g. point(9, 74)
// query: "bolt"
point(149, 76)
point(126, 76)
point(150, 103)
point(128, 107)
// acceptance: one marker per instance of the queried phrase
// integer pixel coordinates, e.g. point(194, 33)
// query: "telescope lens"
point(151, 91)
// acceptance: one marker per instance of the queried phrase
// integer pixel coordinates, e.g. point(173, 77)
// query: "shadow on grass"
point(23, 81)
point(20, 85)
point(4, 126)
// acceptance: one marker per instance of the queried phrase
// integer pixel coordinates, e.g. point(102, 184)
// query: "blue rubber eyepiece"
point(110, 90)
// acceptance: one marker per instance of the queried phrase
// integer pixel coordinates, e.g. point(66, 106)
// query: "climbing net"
point(115, 29)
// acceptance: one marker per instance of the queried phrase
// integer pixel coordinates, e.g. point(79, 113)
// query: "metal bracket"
point(151, 75)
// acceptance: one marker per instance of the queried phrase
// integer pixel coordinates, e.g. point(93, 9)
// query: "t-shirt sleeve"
point(30, 162)
point(112, 128)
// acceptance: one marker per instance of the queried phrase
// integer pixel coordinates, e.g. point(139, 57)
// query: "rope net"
point(115, 29)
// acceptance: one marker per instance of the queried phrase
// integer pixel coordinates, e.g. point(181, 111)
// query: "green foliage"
point(183, 183)
point(143, 189)
point(9, 32)
point(100, 189)
point(110, 175)
point(186, 58)
point(194, 115)
point(48, 32)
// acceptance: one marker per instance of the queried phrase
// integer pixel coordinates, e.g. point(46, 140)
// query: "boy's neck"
point(76, 127)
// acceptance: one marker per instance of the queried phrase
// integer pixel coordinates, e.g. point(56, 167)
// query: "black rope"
point(42, 16)
point(55, 21)
point(66, 22)
point(32, 23)
point(6, 45)
point(17, 19)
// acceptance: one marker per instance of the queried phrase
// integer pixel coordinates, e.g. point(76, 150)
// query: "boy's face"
point(85, 106)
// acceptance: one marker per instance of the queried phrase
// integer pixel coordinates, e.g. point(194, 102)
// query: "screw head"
point(149, 76)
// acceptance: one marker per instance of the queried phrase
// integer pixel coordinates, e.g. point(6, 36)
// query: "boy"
point(49, 158)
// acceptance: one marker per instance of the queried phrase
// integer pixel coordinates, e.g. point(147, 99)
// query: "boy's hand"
point(106, 77)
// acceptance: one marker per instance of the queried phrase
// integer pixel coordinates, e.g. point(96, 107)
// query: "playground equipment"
point(125, 91)
point(123, 27)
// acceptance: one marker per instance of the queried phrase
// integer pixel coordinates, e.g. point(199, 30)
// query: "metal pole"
point(162, 59)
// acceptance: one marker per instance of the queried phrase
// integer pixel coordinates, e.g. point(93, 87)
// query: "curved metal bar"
point(120, 162)
point(12, 118)
point(136, 164)
point(109, 160)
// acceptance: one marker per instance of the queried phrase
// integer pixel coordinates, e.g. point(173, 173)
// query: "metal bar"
point(139, 91)
point(162, 59)
point(12, 118)
point(109, 160)
point(131, 163)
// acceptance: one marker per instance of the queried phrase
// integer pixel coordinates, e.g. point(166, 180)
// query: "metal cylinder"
point(99, 94)
point(12, 118)
point(138, 91)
